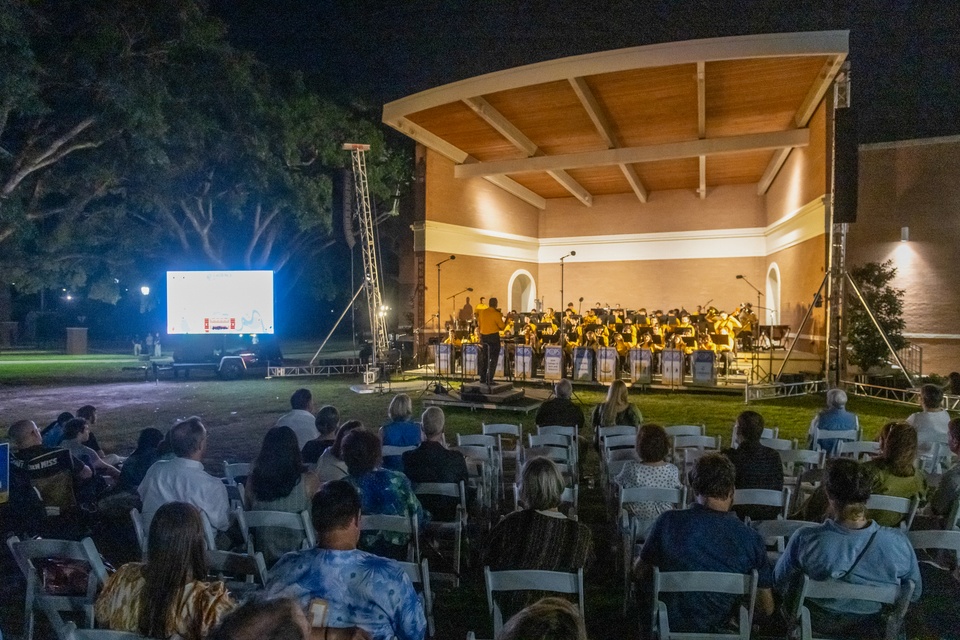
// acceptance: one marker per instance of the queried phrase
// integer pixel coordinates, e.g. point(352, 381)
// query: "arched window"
point(773, 314)
point(522, 291)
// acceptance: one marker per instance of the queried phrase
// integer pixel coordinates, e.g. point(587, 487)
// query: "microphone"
point(455, 257)
point(581, 299)
point(469, 288)
point(739, 277)
point(573, 253)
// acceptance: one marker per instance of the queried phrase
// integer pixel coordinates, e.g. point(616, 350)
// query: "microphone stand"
point(561, 307)
point(438, 376)
point(756, 328)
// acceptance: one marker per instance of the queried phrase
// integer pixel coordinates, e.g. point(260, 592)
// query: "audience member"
point(615, 410)
point(706, 537)
point(948, 490)
point(358, 588)
point(137, 463)
point(182, 479)
point(894, 470)
point(930, 423)
point(36, 468)
point(757, 466)
point(53, 432)
point(331, 466)
point(652, 470)
point(547, 619)
point(300, 417)
point(382, 492)
point(560, 410)
point(400, 431)
point(834, 417)
point(279, 483)
point(539, 536)
point(433, 462)
point(166, 596)
point(75, 437)
point(851, 548)
point(89, 413)
point(278, 619)
point(326, 422)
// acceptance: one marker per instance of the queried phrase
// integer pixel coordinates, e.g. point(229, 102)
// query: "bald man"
point(51, 470)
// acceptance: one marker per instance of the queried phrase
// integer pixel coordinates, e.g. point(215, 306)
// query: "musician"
point(452, 337)
point(642, 319)
point(466, 313)
point(727, 325)
point(490, 324)
point(749, 321)
point(590, 317)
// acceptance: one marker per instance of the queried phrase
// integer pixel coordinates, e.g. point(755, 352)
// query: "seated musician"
point(590, 317)
point(641, 318)
point(728, 326)
point(452, 337)
point(684, 327)
point(705, 343)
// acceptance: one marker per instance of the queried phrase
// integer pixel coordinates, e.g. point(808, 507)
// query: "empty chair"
point(896, 597)
point(419, 574)
point(28, 553)
point(684, 430)
point(571, 433)
point(936, 540)
point(528, 580)
point(275, 532)
point(619, 442)
point(776, 502)
point(551, 440)
point(678, 582)
point(453, 528)
point(857, 449)
point(703, 443)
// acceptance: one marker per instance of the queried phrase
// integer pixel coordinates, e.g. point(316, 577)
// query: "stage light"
point(145, 290)
point(904, 234)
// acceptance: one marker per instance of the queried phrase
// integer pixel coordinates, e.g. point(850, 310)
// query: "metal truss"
point(327, 370)
point(754, 392)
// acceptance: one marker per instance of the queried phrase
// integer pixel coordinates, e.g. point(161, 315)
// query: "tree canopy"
point(134, 138)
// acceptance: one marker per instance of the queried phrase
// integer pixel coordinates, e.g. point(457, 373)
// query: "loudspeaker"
point(846, 166)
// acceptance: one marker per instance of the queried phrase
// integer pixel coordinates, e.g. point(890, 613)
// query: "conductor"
point(490, 324)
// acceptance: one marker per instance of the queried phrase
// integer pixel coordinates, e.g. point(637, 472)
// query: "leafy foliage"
point(866, 347)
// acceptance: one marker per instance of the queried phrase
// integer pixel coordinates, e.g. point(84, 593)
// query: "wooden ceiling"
point(685, 115)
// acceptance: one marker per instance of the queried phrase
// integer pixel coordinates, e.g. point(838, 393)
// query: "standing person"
point(490, 324)
point(156, 346)
point(148, 341)
point(137, 346)
point(300, 418)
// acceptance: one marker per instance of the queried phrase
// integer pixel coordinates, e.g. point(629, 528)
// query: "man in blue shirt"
point(834, 418)
point(341, 586)
point(707, 537)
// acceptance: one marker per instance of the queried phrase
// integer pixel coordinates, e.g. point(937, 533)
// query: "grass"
point(238, 413)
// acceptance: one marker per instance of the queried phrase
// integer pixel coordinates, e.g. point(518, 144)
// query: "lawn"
point(238, 413)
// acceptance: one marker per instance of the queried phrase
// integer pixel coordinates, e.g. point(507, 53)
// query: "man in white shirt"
point(182, 479)
point(301, 418)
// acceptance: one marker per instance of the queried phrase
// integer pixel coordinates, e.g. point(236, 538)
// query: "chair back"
point(477, 440)
point(399, 524)
point(529, 580)
point(824, 434)
point(677, 497)
point(394, 450)
point(936, 540)
point(235, 472)
point(557, 454)
point(446, 489)
point(684, 430)
point(744, 585)
point(139, 531)
point(249, 521)
point(897, 595)
point(419, 574)
point(620, 442)
point(763, 498)
point(906, 507)
point(857, 449)
point(229, 566)
point(711, 443)
point(502, 429)
point(779, 444)
point(551, 439)
point(559, 430)
point(616, 430)
point(770, 433)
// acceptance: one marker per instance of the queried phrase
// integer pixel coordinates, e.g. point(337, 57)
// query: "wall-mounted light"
point(904, 234)
point(144, 290)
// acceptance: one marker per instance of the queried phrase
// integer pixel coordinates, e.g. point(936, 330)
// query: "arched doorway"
point(522, 291)
point(772, 314)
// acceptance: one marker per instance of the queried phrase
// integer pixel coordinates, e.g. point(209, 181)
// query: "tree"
point(866, 346)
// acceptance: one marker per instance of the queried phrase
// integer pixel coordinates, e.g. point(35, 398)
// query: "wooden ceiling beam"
point(807, 108)
point(517, 138)
point(630, 155)
point(605, 128)
point(702, 122)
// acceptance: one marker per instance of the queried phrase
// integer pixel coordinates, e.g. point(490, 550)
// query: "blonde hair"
point(541, 485)
point(616, 403)
point(401, 407)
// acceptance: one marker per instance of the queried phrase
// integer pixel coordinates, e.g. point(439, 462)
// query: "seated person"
point(652, 470)
point(300, 418)
point(382, 492)
point(137, 463)
point(706, 537)
point(327, 421)
point(931, 423)
point(848, 546)
point(547, 619)
point(894, 470)
point(758, 467)
point(53, 432)
point(538, 536)
point(560, 410)
point(400, 431)
point(834, 418)
point(76, 434)
point(166, 595)
point(358, 588)
point(89, 413)
point(330, 464)
point(433, 462)
point(948, 490)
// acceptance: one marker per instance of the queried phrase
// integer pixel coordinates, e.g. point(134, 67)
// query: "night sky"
point(905, 56)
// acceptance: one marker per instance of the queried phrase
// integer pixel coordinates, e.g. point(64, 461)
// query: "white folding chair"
point(553, 441)
point(243, 573)
point(399, 524)
point(529, 580)
point(571, 433)
point(776, 533)
point(802, 470)
point(822, 434)
point(470, 446)
point(71, 632)
point(937, 540)
point(763, 498)
point(770, 433)
point(570, 496)
point(27, 552)
point(453, 527)
point(744, 585)
point(490, 469)
point(859, 450)
point(905, 507)
point(419, 574)
point(779, 444)
point(626, 441)
point(250, 521)
point(393, 450)
point(506, 434)
point(684, 430)
point(630, 534)
point(699, 443)
point(235, 472)
point(615, 430)
point(139, 531)
point(896, 596)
